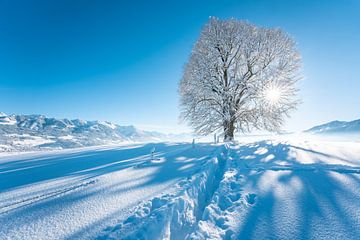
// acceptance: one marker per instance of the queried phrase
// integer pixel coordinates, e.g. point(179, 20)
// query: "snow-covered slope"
point(270, 189)
point(338, 127)
point(262, 190)
point(33, 132)
point(75, 194)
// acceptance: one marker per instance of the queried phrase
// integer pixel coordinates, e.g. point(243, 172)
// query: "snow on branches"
point(239, 77)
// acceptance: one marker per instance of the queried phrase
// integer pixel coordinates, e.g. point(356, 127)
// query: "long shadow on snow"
point(320, 193)
point(177, 165)
point(180, 161)
point(85, 164)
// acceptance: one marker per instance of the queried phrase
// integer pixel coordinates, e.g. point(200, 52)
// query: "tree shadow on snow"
point(298, 201)
point(81, 165)
point(171, 162)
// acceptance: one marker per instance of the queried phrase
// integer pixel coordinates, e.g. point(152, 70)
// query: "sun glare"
point(273, 95)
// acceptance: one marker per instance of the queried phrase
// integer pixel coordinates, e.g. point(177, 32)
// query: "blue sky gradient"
point(122, 60)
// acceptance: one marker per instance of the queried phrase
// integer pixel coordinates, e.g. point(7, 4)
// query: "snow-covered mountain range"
point(35, 132)
point(38, 132)
point(336, 127)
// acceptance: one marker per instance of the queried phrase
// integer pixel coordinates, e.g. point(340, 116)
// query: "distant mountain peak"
point(336, 127)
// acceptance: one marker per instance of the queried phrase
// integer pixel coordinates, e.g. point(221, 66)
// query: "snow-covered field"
point(268, 189)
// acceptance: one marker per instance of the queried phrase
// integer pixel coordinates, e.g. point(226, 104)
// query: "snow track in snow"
point(262, 190)
point(6, 208)
point(66, 195)
point(174, 216)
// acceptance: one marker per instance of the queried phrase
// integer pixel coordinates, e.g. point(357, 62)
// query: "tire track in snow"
point(35, 199)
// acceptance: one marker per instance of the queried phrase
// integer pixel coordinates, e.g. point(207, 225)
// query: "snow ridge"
point(228, 204)
point(208, 206)
point(174, 216)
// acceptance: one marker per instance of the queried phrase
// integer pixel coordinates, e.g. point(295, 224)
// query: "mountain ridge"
point(36, 132)
point(336, 126)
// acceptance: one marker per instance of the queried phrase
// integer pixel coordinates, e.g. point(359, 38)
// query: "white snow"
point(305, 190)
point(275, 189)
point(32, 132)
point(30, 141)
point(281, 188)
point(108, 124)
point(75, 195)
point(67, 137)
point(6, 120)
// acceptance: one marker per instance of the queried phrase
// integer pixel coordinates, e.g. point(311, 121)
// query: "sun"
point(273, 95)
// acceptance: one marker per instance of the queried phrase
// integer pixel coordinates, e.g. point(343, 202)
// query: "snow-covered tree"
point(239, 77)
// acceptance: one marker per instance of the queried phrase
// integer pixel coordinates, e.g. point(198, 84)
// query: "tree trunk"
point(229, 130)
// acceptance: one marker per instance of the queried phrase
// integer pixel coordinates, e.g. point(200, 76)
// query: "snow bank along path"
point(76, 194)
point(262, 190)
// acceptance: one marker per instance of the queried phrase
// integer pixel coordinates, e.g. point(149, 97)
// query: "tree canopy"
point(239, 77)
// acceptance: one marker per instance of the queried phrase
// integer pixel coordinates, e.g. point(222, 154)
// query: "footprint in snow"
point(235, 197)
point(235, 186)
point(251, 198)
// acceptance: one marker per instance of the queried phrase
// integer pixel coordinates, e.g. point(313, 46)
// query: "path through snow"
point(75, 195)
point(261, 190)
point(276, 189)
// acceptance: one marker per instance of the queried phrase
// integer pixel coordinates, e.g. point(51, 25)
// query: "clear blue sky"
point(122, 60)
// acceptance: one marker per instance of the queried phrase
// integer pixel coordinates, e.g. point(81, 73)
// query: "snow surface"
point(281, 188)
point(77, 194)
point(286, 190)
